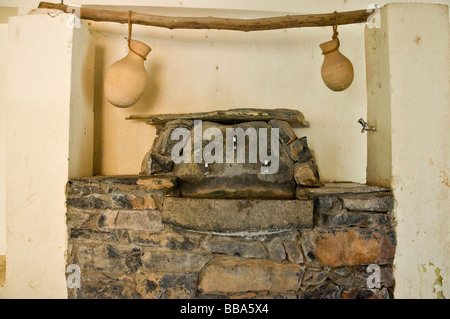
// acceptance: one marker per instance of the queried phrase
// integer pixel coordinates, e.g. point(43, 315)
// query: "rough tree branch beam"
point(285, 22)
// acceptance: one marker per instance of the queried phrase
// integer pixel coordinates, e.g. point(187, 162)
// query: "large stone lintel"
point(240, 217)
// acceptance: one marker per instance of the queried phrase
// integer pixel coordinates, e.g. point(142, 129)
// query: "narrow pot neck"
point(141, 50)
point(330, 46)
point(133, 56)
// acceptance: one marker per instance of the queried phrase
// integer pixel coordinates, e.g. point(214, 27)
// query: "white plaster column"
point(49, 139)
point(408, 101)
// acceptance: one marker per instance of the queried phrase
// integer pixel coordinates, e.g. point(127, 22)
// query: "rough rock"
point(276, 251)
point(333, 220)
point(356, 277)
point(117, 236)
point(306, 174)
point(90, 202)
point(299, 151)
point(162, 285)
point(156, 163)
point(236, 248)
point(135, 220)
point(301, 192)
point(364, 293)
point(382, 202)
point(293, 251)
point(313, 277)
point(107, 292)
point(240, 275)
point(139, 202)
point(80, 218)
point(108, 257)
point(285, 132)
point(165, 241)
point(174, 261)
point(349, 247)
point(325, 290)
point(163, 143)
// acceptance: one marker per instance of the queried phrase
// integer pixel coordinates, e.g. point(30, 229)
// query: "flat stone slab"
point(293, 117)
point(104, 184)
point(238, 216)
point(344, 188)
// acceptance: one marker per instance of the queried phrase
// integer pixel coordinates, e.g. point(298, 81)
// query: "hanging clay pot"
point(337, 70)
point(126, 79)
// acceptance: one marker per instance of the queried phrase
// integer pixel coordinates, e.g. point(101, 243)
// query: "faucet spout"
point(366, 126)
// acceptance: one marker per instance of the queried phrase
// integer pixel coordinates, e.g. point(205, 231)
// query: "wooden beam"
point(284, 22)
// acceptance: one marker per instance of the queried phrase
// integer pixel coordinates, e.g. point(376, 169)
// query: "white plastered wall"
point(50, 111)
point(408, 68)
point(5, 12)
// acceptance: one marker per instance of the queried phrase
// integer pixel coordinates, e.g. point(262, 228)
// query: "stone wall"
point(133, 237)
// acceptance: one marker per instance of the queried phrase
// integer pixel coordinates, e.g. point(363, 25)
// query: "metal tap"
point(365, 126)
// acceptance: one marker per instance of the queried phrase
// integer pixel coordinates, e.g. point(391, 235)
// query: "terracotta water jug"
point(126, 79)
point(337, 70)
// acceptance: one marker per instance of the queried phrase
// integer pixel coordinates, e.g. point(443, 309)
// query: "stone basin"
point(196, 148)
point(236, 180)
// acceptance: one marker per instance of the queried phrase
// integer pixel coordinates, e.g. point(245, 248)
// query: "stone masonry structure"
point(135, 237)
